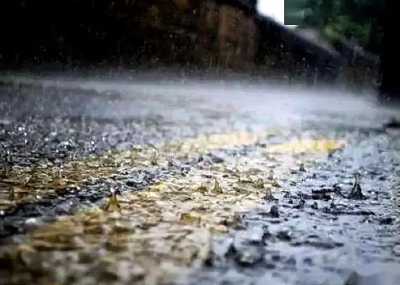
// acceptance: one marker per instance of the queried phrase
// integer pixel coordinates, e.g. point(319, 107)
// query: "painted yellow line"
point(23, 184)
point(162, 231)
point(307, 145)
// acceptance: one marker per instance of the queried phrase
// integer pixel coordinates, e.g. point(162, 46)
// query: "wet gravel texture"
point(56, 125)
point(315, 230)
point(64, 123)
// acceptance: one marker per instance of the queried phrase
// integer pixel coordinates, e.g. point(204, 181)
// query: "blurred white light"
point(274, 9)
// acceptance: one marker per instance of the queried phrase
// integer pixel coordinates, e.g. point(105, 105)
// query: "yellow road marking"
point(46, 178)
point(163, 230)
point(307, 145)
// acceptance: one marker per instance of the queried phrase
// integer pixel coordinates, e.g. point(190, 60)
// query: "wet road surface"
point(195, 183)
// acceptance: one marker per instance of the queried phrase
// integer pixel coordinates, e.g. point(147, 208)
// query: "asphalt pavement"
point(111, 181)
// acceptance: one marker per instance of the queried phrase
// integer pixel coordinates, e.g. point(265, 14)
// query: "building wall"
point(220, 35)
point(199, 33)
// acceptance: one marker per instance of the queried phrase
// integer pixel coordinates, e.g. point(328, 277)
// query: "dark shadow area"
point(390, 56)
point(196, 37)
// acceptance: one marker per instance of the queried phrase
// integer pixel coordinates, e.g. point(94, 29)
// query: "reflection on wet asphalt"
point(315, 226)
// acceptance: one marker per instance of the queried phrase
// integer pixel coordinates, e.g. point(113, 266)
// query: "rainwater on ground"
point(233, 182)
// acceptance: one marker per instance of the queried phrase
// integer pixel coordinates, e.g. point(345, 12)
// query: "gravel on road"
point(113, 186)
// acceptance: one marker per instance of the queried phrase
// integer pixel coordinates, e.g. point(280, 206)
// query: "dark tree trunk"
point(390, 54)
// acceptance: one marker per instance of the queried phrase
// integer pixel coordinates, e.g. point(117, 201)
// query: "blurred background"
point(291, 40)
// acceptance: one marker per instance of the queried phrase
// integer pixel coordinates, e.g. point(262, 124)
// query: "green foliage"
point(295, 11)
point(353, 19)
